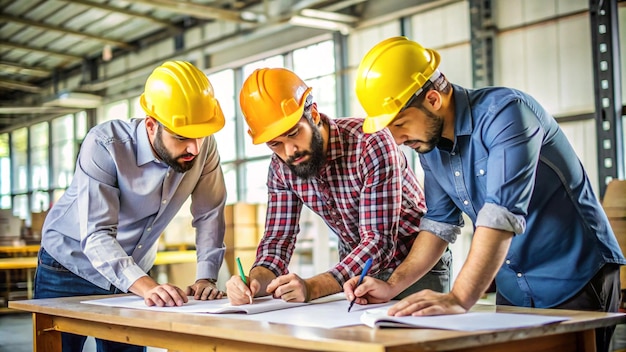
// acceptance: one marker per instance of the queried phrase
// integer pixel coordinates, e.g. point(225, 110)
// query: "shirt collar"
point(144, 148)
point(335, 144)
point(463, 118)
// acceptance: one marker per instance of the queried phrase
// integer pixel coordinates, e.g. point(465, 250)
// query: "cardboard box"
point(36, 222)
point(246, 256)
point(240, 213)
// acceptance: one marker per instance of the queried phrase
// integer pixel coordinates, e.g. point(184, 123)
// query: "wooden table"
point(20, 250)
point(189, 332)
point(30, 263)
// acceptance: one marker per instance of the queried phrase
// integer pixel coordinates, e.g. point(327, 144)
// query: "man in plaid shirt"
point(359, 184)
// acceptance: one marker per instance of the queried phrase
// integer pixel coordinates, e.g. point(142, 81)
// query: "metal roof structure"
point(43, 41)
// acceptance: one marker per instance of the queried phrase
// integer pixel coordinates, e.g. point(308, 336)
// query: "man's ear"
point(433, 98)
point(315, 114)
point(151, 125)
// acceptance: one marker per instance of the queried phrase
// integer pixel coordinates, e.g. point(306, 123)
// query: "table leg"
point(45, 337)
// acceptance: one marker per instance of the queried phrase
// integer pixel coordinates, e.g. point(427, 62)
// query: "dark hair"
point(441, 84)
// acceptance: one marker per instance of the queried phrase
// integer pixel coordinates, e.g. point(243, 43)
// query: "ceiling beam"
point(36, 24)
point(11, 67)
point(198, 10)
point(126, 12)
point(26, 87)
point(40, 50)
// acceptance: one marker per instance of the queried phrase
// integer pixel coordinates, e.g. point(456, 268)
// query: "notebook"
point(472, 321)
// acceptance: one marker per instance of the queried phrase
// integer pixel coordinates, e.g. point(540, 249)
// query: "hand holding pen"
point(366, 268)
point(243, 276)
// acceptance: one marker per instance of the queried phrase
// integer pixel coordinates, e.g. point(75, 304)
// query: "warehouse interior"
point(68, 65)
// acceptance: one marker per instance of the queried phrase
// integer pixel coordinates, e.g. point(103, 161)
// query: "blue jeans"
point(53, 280)
point(601, 294)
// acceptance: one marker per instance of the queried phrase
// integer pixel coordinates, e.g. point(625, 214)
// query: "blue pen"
point(368, 264)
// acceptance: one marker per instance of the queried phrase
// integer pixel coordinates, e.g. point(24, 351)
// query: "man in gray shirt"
point(131, 179)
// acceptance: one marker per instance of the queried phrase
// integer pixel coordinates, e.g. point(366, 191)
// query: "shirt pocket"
point(480, 172)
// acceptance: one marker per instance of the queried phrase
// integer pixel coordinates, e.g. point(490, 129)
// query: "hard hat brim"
point(373, 124)
point(283, 125)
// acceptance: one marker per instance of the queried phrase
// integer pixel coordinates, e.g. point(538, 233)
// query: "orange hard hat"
point(272, 101)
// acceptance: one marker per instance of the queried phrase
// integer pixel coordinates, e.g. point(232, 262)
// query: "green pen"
point(243, 276)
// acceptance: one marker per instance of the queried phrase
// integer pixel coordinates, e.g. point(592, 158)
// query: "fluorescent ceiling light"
point(320, 23)
point(74, 100)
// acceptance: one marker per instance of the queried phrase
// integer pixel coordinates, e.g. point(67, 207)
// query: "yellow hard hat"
point(389, 74)
point(272, 101)
point(181, 97)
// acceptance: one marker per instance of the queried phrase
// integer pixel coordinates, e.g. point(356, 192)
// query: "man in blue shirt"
point(131, 179)
point(496, 155)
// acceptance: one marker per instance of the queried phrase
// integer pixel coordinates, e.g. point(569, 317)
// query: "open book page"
point(378, 318)
point(219, 306)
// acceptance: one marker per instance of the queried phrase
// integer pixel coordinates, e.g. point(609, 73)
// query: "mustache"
point(297, 155)
point(188, 155)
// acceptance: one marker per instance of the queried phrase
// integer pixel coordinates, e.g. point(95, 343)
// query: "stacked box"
point(242, 235)
point(614, 204)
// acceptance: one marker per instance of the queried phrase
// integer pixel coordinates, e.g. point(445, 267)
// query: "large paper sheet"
point(475, 321)
point(218, 306)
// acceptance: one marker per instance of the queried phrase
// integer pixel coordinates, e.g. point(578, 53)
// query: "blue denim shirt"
point(106, 226)
point(512, 168)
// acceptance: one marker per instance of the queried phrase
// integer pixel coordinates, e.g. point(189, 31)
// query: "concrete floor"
point(16, 334)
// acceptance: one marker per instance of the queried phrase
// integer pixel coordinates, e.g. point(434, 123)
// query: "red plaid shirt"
point(366, 194)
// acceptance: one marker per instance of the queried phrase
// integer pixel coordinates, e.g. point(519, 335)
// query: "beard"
point(165, 156)
point(317, 157)
point(434, 129)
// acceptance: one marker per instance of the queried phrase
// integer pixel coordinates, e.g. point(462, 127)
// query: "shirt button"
point(164, 201)
point(465, 202)
point(149, 229)
point(519, 274)
point(481, 171)
point(457, 174)
point(453, 153)
point(139, 246)
point(508, 262)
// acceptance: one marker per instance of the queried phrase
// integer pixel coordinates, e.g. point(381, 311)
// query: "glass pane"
point(136, 111)
point(19, 159)
point(223, 83)
point(41, 200)
point(39, 156)
point(251, 150)
point(116, 110)
point(5, 165)
point(255, 190)
point(314, 60)
point(20, 206)
point(230, 178)
point(81, 125)
point(315, 64)
point(63, 153)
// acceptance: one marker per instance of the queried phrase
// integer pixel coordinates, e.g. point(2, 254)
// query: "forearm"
point(321, 285)
point(424, 254)
point(487, 253)
point(142, 285)
point(264, 276)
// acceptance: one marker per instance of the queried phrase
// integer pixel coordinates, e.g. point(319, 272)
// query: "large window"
point(39, 167)
point(63, 153)
point(5, 172)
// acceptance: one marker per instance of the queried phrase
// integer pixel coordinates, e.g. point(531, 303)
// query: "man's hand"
point(204, 290)
point(165, 295)
point(289, 288)
point(371, 290)
point(238, 293)
point(427, 302)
